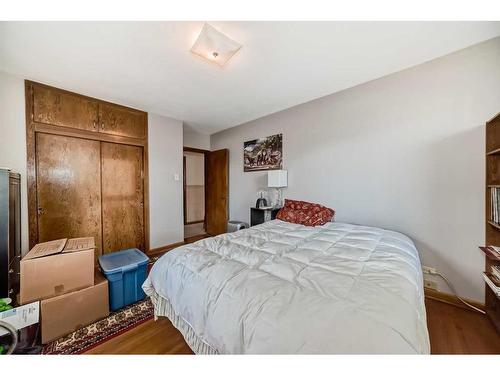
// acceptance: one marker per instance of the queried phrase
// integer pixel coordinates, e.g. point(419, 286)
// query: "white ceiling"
point(148, 64)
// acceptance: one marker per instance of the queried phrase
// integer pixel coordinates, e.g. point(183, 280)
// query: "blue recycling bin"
point(126, 271)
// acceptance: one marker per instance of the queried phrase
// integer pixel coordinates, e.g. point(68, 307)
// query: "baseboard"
point(194, 222)
point(196, 238)
point(163, 249)
point(451, 299)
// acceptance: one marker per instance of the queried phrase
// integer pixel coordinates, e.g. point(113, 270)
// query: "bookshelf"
point(493, 224)
point(492, 301)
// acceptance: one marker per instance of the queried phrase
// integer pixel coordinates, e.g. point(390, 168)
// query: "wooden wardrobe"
point(87, 169)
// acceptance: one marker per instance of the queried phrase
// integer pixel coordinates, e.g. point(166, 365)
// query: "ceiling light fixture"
point(214, 46)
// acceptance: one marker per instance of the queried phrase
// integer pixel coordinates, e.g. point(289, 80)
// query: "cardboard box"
point(57, 267)
point(71, 311)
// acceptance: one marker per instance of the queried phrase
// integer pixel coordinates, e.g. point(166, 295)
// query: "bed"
point(283, 288)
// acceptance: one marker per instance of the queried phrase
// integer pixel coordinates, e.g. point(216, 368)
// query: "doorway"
point(194, 193)
point(206, 185)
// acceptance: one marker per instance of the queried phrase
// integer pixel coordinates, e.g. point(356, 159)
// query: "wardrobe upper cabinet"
point(118, 120)
point(57, 107)
point(53, 106)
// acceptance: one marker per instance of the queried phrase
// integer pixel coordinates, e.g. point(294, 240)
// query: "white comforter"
point(285, 288)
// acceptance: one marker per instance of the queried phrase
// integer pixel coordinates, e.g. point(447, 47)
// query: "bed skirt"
point(162, 307)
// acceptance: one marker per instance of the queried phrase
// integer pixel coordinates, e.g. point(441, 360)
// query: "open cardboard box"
point(69, 312)
point(57, 267)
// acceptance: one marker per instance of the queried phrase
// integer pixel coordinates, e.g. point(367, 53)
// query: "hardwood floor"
point(151, 337)
point(452, 330)
point(455, 330)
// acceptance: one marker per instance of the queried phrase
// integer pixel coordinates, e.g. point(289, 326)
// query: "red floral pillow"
point(305, 213)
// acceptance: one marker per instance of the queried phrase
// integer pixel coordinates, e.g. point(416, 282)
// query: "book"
point(495, 249)
point(493, 279)
point(489, 280)
point(495, 271)
point(493, 205)
point(497, 205)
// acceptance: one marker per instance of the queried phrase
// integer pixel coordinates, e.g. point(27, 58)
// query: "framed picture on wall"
point(263, 154)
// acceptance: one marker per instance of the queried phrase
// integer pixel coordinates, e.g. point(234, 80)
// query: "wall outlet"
point(429, 270)
point(430, 284)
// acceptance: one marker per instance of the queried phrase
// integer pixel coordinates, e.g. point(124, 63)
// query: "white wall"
point(13, 139)
point(195, 189)
point(195, 139)
point(195, 168)
point(404, 152)
point(165, 160)
point(165, 193)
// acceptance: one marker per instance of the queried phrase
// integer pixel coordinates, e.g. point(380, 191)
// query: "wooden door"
point(122, 197)
point(217, 191)
point(122, 121)
point(68, 188)
point(57, 107)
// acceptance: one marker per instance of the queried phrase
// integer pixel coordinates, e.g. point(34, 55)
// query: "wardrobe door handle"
point(95, 125)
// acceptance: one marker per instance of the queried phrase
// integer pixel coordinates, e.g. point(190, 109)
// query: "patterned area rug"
point(102, 330)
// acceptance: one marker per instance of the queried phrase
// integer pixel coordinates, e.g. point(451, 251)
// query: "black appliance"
point(10, 233)
point(261, 202)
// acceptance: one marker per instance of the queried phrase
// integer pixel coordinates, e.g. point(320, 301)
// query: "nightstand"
point(261, 215)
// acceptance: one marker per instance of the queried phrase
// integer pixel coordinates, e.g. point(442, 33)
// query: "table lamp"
point(277, 179)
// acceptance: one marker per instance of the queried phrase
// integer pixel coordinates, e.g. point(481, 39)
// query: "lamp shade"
point(277, 179)
point(214, 45)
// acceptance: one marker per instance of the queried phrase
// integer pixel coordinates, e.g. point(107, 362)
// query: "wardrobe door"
point(122, 197)
point(56, 107)
point(122, 121)
point(68, 188)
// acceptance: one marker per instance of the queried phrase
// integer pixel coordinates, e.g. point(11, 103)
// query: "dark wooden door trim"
point(145, 185)
point(77, 133)
point(198, 150)
point(31, 166)
point(33, 127)
point(184, 200)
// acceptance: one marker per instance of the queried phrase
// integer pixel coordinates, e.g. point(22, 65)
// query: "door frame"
point(205, 172)
point(33, 127)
